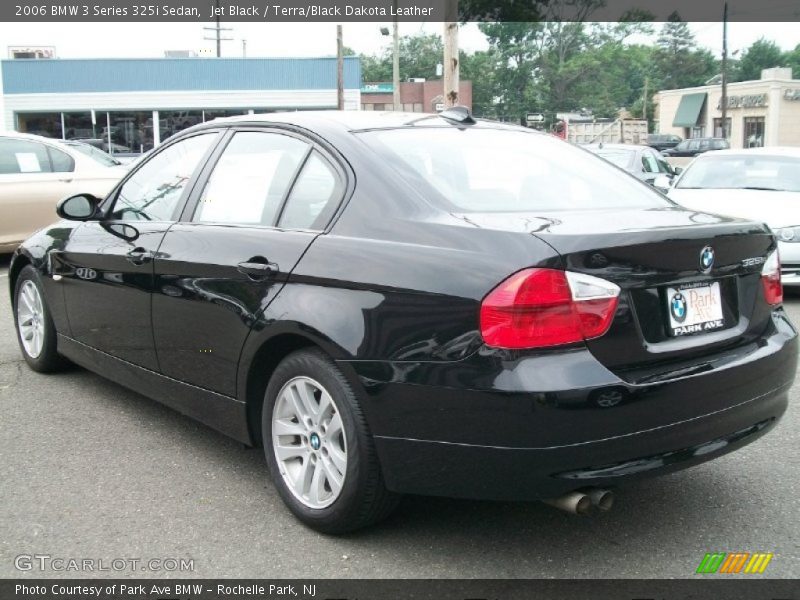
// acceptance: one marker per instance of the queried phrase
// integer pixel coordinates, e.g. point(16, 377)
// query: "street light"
point(395, 60)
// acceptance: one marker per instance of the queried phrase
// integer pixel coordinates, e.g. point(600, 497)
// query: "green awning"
point(689, 110)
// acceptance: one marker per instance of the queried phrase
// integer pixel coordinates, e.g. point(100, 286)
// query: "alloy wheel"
point(309, 442)
point(30, 318)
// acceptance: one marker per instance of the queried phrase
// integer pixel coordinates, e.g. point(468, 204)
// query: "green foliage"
point(419, 55)
point(551, 66)
point(762, 54)
point(792, 59)
point(677, 61)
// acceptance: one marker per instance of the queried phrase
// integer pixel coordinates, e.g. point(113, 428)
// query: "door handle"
point(257, 269)
point(139, 256)
point(69, 180)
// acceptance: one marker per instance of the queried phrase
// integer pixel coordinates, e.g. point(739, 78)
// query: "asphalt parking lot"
point(89, 469)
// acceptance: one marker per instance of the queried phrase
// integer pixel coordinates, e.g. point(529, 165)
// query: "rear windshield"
point(482, 169)
point(98, 155)
point(622, 158)
point(769, 173)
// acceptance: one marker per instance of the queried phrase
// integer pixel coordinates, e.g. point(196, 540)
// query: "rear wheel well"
point(261, 369)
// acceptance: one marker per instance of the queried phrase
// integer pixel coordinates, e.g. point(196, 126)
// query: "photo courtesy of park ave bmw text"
point(399, 299)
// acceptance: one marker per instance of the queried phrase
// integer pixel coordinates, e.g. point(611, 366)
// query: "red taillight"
point(771, 279)
point(535, 308)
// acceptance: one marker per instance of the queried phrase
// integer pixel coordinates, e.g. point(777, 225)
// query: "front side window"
point(23, 156)
point(649, 163)
point(484, 169)
point(251, 179)
point(152, 193)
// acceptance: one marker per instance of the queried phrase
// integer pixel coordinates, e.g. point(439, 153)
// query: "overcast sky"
point(119, 40)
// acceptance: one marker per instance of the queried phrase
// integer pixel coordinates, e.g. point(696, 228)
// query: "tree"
point(479, 68)
point(792, 60)
point(677, 60)
point(419, 55)
point(762, 54)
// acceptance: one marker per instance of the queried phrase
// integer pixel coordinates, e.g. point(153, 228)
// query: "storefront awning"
point(689, 110)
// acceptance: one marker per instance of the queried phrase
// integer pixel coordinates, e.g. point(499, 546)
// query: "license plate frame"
point(694, 309)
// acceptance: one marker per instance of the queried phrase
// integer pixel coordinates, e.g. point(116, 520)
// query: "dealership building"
point(765, 112)
point(131, 105)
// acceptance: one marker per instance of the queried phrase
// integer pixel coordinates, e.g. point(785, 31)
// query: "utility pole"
point(218, 30)
point(451, 66)
point(395, 62)
point(644, 99)
point(339, 69)
point(724, 98)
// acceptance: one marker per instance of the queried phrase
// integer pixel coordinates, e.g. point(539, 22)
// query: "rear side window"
point(498, 170)
point(152, 193)
point(23, 156)
point(251, 178)
point(313, 197)
point(61, 161)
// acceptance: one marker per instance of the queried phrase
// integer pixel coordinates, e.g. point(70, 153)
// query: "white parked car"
point(758, 183)
point(36, 172)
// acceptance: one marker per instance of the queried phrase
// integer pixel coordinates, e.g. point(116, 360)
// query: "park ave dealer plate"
point(694, 309)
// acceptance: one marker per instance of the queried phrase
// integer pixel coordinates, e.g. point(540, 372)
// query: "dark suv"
point(663, 141)
point(696, 146)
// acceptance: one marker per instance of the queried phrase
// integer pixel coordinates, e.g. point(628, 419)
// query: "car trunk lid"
point(654, 255)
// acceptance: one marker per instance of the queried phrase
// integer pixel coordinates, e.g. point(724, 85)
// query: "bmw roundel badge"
point(677, 306)
point(706, 259)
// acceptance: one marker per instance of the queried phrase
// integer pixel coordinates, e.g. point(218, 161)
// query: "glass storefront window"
point(129, 131)
point(45, 124)
point(214, 113)
point(753, 132)
point(78, 126)
point(171, 122)
point(718, 133)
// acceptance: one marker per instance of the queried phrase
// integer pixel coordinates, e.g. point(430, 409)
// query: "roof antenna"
point(459, 114)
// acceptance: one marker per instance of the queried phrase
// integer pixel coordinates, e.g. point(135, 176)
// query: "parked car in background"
point(401, 303)
point(696, 146)
point(37, 172)
point(663, 141)
point(641, 161)
point(762, 184)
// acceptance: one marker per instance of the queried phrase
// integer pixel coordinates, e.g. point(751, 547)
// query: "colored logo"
point(315, 441)
point(677, 306)
point(706, 259)
point(734, 562)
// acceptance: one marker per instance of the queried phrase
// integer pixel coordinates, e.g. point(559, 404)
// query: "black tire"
point(48, 360)
point(363, 499)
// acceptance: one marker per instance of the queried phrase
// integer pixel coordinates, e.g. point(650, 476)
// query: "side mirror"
point(662, 182)
point(82, 207)
point(677, 170)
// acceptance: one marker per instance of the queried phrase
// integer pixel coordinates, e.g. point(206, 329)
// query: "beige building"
point(765, 112)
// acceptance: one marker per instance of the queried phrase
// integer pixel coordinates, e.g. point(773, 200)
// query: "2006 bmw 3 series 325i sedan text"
point(398, 303)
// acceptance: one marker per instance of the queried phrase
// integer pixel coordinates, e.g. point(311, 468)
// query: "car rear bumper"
point(481, 431)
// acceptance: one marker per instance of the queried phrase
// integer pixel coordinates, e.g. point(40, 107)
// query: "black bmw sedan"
point(393, 303)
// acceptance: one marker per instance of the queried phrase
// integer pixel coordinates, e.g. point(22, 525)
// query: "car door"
point(106, 267)
point(262, 200)
point(33, 178)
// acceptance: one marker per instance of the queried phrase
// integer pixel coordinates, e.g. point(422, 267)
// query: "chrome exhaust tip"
point(576, 503)
point(602, 499)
